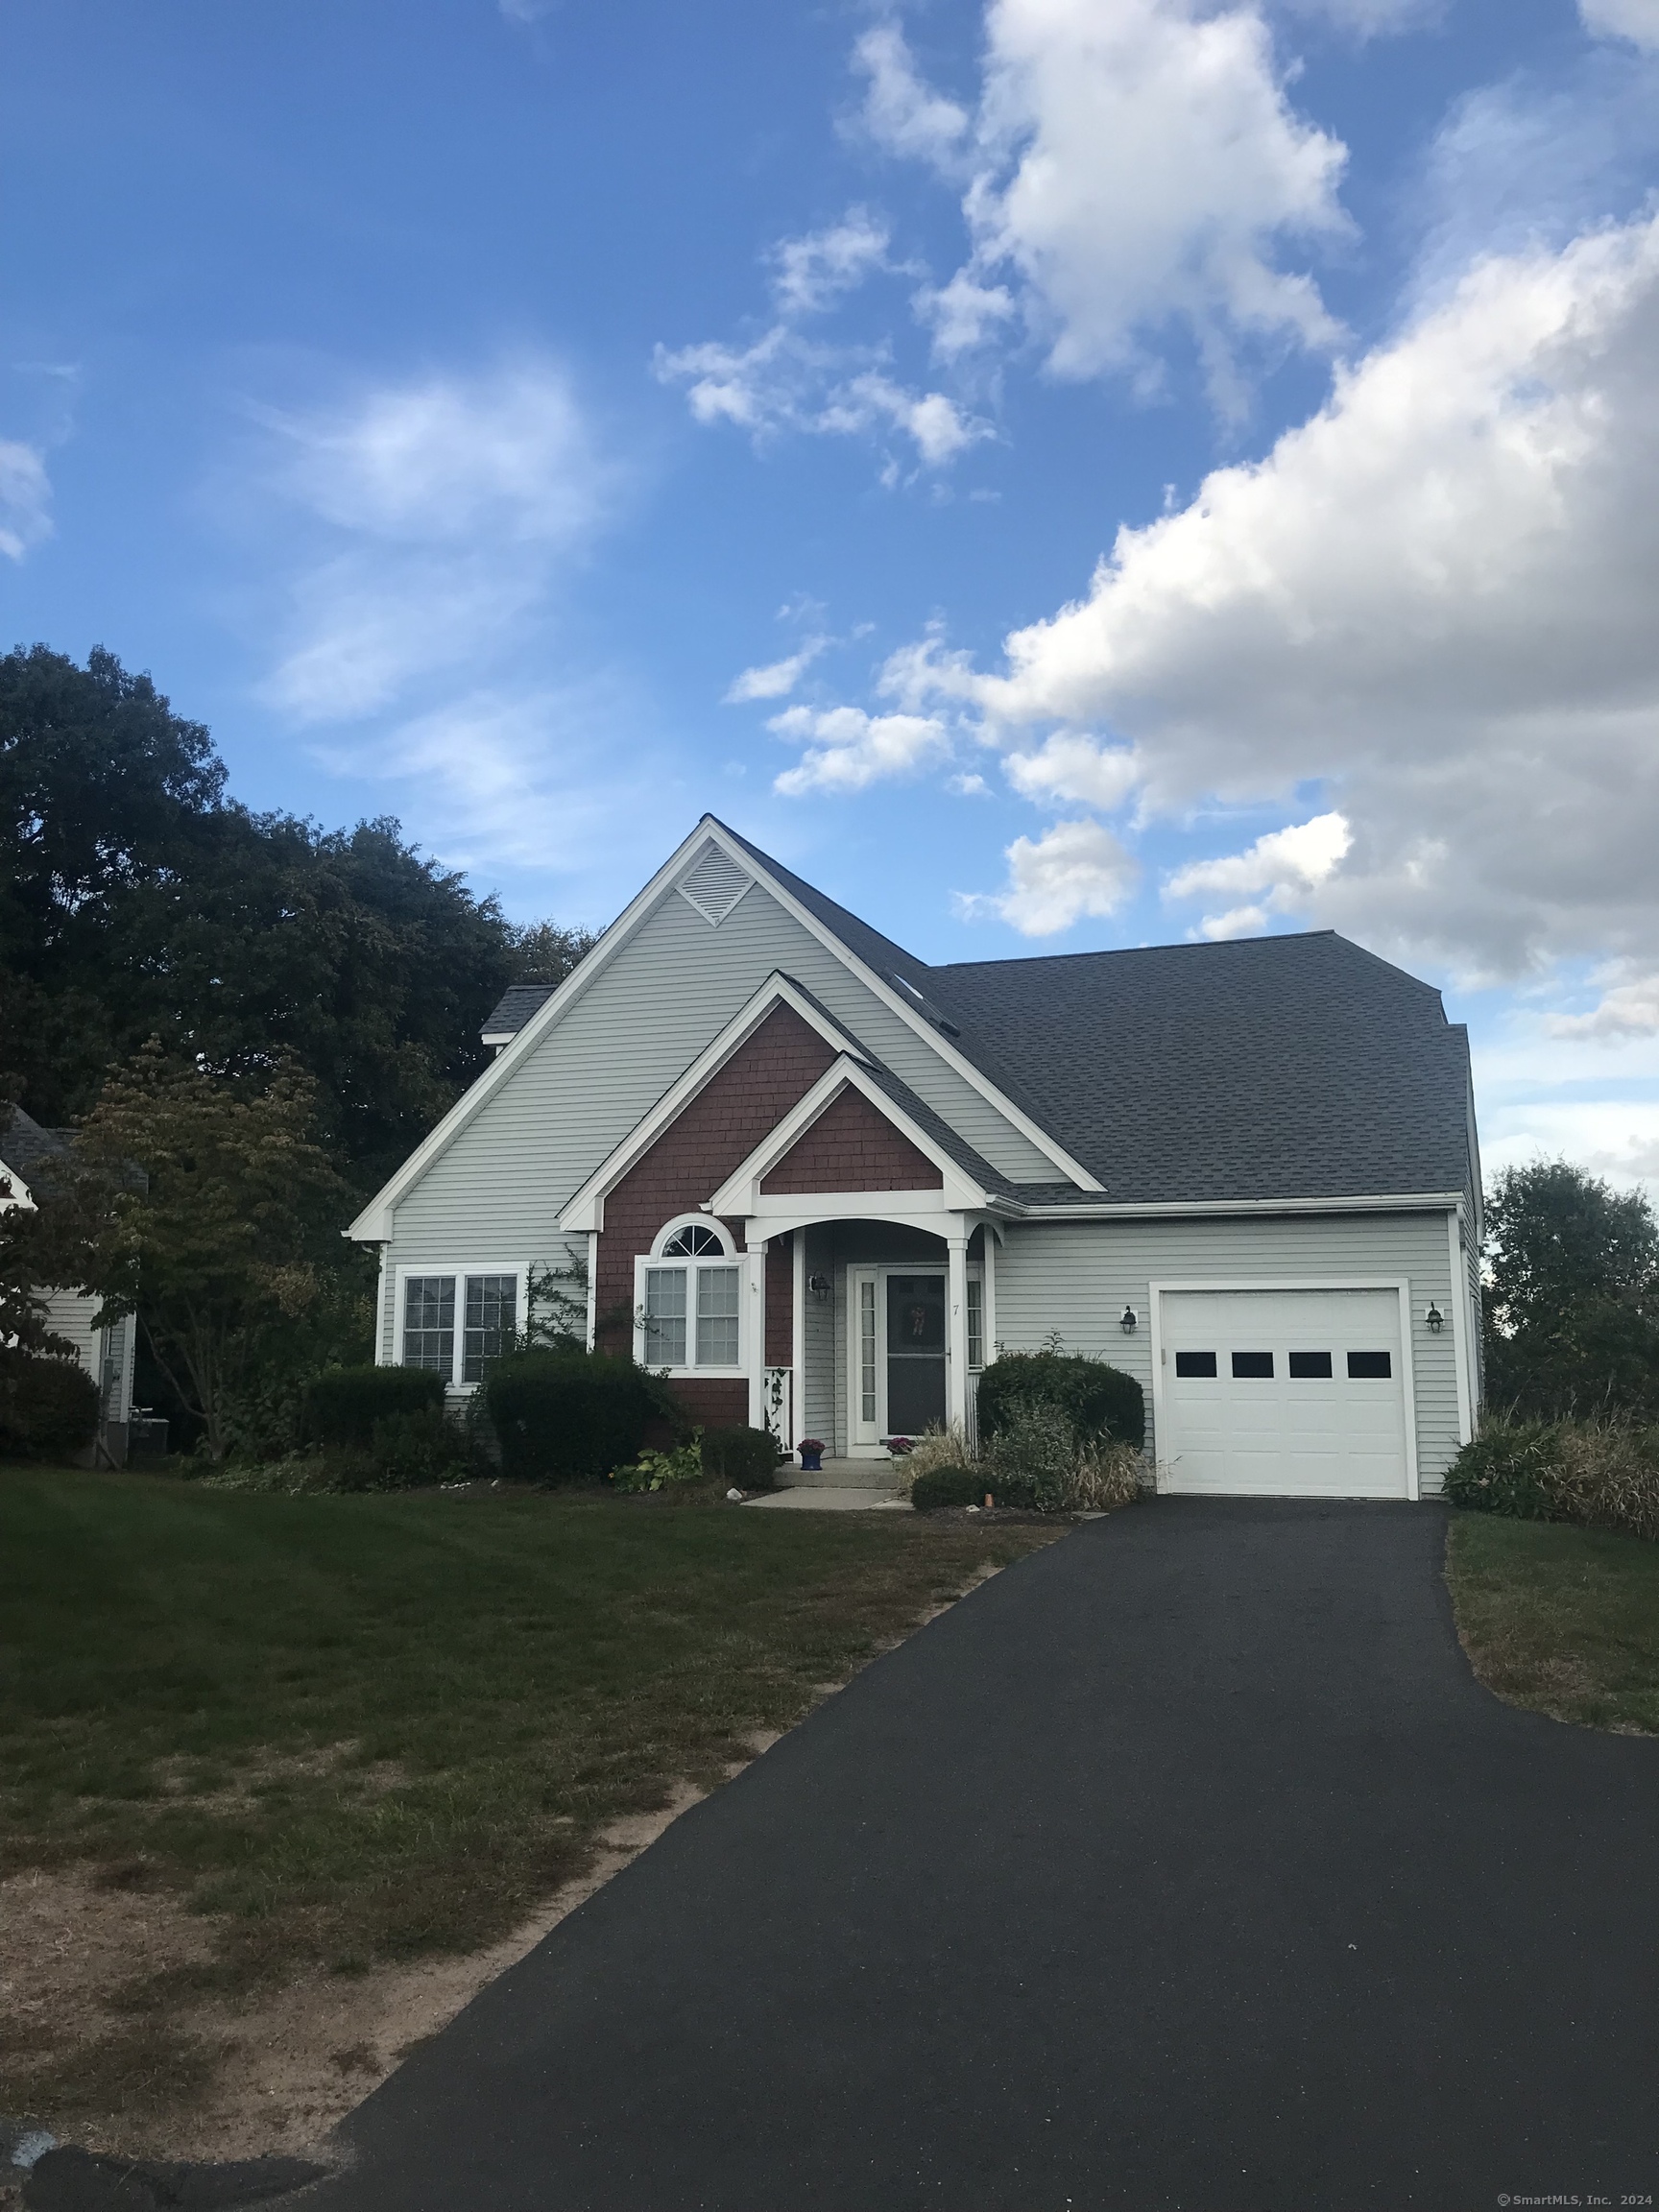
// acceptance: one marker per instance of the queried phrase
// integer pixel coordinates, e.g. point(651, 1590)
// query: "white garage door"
point(1282, 1393)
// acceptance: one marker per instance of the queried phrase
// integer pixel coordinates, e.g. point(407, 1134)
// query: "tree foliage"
point(1571, 1294)
point(137, 900)
point(231, 1246)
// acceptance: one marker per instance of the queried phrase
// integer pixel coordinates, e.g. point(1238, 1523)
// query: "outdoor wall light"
point(1435, 1320)
point(1129, 1320)
point(819, 1285)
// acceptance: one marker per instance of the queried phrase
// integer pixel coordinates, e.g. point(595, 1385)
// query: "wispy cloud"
point(789, 381)
point(25, 498)
point(775, 679)
point(432, 518)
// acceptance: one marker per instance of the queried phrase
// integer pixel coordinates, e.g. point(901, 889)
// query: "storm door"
point(915, 1354)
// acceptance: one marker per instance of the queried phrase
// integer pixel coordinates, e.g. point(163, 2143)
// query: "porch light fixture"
point(1129, 1320)
point(819, 1285)
point(1434, 1320)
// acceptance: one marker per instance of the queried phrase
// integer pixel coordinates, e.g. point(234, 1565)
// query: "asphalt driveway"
point(1183, 1865)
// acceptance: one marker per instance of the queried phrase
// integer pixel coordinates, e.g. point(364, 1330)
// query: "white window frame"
point(727, 1255)
point(519, 1269)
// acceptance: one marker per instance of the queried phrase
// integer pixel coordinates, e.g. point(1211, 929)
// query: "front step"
point(842, 1475)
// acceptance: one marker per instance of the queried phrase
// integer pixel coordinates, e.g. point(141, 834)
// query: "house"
point(28, 1155)
point(823, 1184)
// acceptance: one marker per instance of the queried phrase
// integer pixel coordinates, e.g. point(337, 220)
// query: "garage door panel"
point(1307, 1435)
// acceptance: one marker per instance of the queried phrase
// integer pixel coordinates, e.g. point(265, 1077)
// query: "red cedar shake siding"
point(850, 1147)
point(713, 1134)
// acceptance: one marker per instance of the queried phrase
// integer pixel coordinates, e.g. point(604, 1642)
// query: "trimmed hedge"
point(1100, 1402)
point(48, 1408)
point(570, 1415)
point(944, 1486)
point(344, 1404)
point(743, 1458)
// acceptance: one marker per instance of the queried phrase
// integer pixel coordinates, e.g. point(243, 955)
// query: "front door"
point(915, 1354)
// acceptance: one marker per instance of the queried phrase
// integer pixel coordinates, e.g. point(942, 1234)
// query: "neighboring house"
point(823, 1184)
point(27, 1156)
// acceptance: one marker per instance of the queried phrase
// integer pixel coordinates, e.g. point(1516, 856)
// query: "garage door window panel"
point(1253, 1366)
point(1370, 1367)
point(1310, 1366)
point(1195, 1366)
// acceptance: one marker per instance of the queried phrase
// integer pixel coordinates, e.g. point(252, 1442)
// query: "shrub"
point(662, 1470)
point(344, 1404)
point(1038, 1460)
point(1507, 1469)
point(1099, 1401)
point(1602, 1473)
point(48, 1408)
point(742, 1458)
point(946, 1447)
point(563, 1416)
point(413, 1450)
point(1029, 1460)
point(948, 1484)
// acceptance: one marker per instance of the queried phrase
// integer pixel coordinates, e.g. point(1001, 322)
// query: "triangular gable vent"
point(714, 885)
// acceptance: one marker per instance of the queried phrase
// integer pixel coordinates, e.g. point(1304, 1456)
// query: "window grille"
point(492, 1317)
point(429, 1323)
point(716, 1316)
point(975, 1323)
point(666, 1316)
point(867, 1354)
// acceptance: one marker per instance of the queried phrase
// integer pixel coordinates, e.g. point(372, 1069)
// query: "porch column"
point(957, 1324)
point(754, 1333)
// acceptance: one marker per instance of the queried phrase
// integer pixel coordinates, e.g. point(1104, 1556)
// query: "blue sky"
point(1060, 473)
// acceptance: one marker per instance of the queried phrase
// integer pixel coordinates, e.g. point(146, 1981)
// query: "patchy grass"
point(314, 1735)
point(1564, 1620)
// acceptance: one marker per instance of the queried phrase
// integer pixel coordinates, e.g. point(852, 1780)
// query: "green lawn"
point(1565, 1621)
point(354, 1729)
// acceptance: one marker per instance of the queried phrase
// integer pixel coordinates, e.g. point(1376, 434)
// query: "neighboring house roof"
point(513, 1008)
point(27, 1149)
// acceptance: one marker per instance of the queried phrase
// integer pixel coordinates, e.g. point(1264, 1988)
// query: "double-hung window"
point(489, 1318)
point(692, 1301)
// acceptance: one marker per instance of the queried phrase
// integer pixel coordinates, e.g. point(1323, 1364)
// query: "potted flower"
point(812, 1450)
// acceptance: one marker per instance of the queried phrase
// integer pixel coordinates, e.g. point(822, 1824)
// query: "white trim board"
point(1401, 1284)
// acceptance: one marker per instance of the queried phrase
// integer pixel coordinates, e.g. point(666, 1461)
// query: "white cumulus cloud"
point(1436, 597)
point(1136, 165)
point(848, 750)
point(1075, 869)
point(25, 498)
point(1282, 871)
point(1068, 767)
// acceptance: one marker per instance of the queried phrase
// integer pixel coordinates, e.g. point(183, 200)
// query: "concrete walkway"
point(1183, 1865)
point(827, 1498)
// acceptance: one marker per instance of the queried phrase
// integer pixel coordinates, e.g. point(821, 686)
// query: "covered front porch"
point(875, 1327)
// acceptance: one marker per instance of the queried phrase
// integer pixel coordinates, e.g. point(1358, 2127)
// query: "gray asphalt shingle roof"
point(1265, 1068)
point(1292, 1066)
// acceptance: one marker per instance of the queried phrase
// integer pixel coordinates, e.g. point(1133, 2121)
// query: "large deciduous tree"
point(135, 900)
point(1572, 1295)
point(232, 1243)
